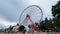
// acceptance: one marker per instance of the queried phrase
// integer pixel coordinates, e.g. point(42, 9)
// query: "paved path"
point(37, 33)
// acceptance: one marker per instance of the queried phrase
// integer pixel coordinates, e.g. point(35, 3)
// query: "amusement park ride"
point(31, 13)
point(34, 26)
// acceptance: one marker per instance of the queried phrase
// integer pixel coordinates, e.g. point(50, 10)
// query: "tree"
point(46, 22)
point(10, 28)
point(29, 26)
point(42, 26)
point(56, 10)
point(56, 14)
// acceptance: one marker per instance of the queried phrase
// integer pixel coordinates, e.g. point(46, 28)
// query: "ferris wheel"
point(32, 13)
point(35, 13)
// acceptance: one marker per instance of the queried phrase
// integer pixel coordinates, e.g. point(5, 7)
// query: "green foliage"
point(10, 28)
point(29, 26)
point(56, 14)
point(56, 9)
point(46, 24)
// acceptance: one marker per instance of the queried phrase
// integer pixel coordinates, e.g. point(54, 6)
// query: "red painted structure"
point(34, 26)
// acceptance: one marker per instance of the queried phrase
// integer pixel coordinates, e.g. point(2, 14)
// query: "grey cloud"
point(11, 9)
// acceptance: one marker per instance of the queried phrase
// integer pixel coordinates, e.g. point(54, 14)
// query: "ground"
point(36, 33)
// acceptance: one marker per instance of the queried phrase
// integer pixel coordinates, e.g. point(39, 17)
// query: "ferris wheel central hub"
point(28, 16)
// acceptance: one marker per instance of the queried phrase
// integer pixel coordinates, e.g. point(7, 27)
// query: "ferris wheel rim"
point(29, 7)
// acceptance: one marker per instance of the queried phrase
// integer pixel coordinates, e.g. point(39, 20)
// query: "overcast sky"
point(10, 10)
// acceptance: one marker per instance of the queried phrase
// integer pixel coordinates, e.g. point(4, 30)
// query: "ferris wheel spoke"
point(34, 11)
